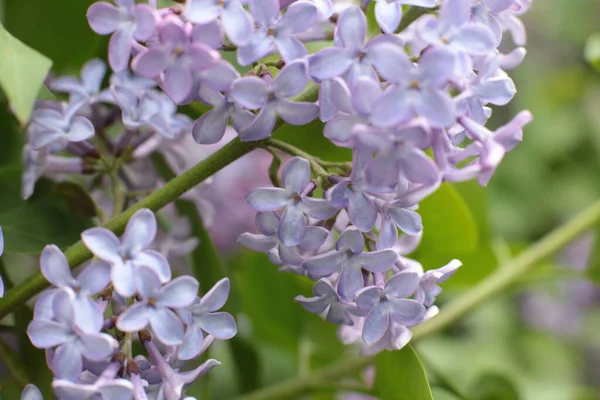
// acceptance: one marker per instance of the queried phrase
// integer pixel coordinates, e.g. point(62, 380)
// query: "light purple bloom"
point(272, 100)
point(390, 303)
point(231, 13)
point(350, 258)
point(85, 89)
point(202, 316)
point(388, 13)
point(128, 255)
point(428, 288)
point(106, 387)
point(179, 57)
point(394, 216)
point(59, 127)
point(353, 55)
point(278, 31)
point(154, 306)
point(420, 91)
point(294, 199)
point(93, 278)
point(73, 343)
point(126, 21)
point(327, 302)
point(31, 392)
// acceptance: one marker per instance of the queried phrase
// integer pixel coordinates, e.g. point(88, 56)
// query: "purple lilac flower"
point(428, 288)
point(106, 387)
point(271, 97)
point(93, 278)
point(388, 13)
point(328, 303)
point(73, 343)
point(231, 13)
point(390, 303)
point(155, 305)
point(201, 316)
point(273, 30)
point(87, 88)
point(126, 256)
point(127, 21)
point(294, 199)
point(394, 216)
point(179, 57)
point(31, 392)
point(59, 127)
point(352, 55)
point(350, 258)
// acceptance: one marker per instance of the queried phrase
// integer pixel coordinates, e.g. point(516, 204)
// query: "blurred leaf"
point(79, 201)
point(267, 299)
point(45, 94)
point(58, 29)
point(310, 139)
point(11, 136)
point(401, 376)
point(592, 50)
point(443, 394)
point(593, 270)
point(493, 387)
point(22, 73)
point(30, 225)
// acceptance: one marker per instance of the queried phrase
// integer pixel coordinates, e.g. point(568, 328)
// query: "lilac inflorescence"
point(88, 324)
point(411, 102)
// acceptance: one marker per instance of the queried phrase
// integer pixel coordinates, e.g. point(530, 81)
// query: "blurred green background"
point(540, 341)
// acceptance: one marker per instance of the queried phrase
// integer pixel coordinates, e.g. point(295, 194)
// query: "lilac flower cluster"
point(88, 323)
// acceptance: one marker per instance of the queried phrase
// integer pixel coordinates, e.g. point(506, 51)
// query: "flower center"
point(152, 302)
point(361, 55)
point(271, 96)
point(415, 85)
point(178, 51)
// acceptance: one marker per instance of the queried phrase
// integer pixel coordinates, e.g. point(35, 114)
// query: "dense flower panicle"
point(412, 105)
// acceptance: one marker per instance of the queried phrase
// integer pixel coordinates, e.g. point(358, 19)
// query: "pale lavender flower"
point(73, 343)
point(154, 306)
point(179, 57)
point(59, 127)
point(350, 258)
point(93, 278)
point(31, 392)
point(106, 387)
point(273, 30)
point(202, 315)
point(127, 21)
point(231, 13)
point(394, 216)
point(271, 97)
point(428, 288)
point(294, 199)
point(390, 303)
point(85, 89)
point(388, 13)
point(328, 303)
point(128, 255)
point(352, 55)
point(486, 11)
point(420, 91)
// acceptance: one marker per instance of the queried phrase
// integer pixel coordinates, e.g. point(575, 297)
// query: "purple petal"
point(339, 130)
point(236, 24)
point(474, 39)
point(98, 346)
point(377, 261)
point(341, 96)
point(173, 34)
point(67, 363)
point(135, 318)
point(299, 17)
point(221, 325)
point(178, 83)
point(211, 126)
point(167, 326)
point(375, 325)
point(267, 223)
point(104, 18)
point(31, 392)
point(419, 168)
point(407, 220)
point(88, 315)
point(455, 13)
point(44, 334)
point(289, 47)
point(296, 175)
point(145, 23)
point(150, 63)
point(389, 60)
point(258, 242)
point(292, 79)
point(147, 282)
point(103, 244)
point(337, 195)
point(313, 239)
point(55, 267)
point(202, 11)
point(201, 57)
point(351, 239)
point(119, 50)
point(407, 312)
point(324, 264)
point(437, 107)
point(140, 231)
point(250, 92)
point(122, 276)
point(92, 74)
point(388, 235)
point(216, 297)
point(323, 287)
point(350, 281)
point(319, 209)
point(258, 47)
point(297, 113)
point(388, 15)
point(262, 126)
point(209, 34)
point(265, 12)
point(292, 226)
point(116, 389)
point(268, 199)
point(193, 341)
point(498, 91)
point(435, 67)
point(392, 108)
point(313, 304)
point(330, 63)
point(366, 91)
point(402, 285)
point(180, 292)
point(352, 28)
point(155, 261)
point(362, 211)
point(368, 297)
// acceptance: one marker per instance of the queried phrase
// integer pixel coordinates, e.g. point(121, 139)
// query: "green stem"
point(14, 364)
point(503, 278)
point(412, 14)
point(294, 151)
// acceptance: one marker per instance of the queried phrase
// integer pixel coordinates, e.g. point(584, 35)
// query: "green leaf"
point(22, 73)
point(401, 376)
point(449, 224)
point(443, 394)
point(592, 51)
point(29, 225)
point(79, 201)
point(493, 387)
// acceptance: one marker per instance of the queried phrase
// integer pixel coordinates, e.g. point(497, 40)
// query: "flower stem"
point(503, 278)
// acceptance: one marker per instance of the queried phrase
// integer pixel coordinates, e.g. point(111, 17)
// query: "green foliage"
point(592, 51)
point(493, 387)
point(22, 72)
point(401, 376)
point(30, 225)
